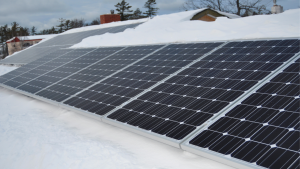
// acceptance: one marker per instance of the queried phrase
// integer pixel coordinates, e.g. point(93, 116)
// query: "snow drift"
point(178, 27)
point(112, 24)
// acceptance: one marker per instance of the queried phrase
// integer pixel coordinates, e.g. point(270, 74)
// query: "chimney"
point(276, 8)
point(107, 18)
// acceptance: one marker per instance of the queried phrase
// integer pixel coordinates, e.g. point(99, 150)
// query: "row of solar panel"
point(61, 41)
point(167, 91)
point(263, 129)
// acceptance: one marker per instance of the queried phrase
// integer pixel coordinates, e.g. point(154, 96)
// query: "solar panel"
point(166, 92)
point(37, 63)
point(116, 81)
point(58, 42)
point(181, 104)
point(31, 54)
point(263, 130)
point(46, 68)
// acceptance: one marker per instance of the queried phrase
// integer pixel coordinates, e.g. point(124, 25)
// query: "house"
point(210, 15)
point(16, 44)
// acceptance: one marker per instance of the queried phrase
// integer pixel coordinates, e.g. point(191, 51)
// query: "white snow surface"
point(178, 27)
point(5, 69)
point(35, 135)
point(107, 25)
point(33, 37)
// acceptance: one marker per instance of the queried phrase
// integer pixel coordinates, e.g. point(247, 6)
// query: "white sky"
point(44, 14)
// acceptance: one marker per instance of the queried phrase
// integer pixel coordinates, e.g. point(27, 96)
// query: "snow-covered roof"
point(178, 27)
point(32, 37)
point(229, 15)
point(107, 25)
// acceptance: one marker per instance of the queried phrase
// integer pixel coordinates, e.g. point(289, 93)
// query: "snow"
point(76, 30)
point(34, 134)
point(5, 69)
point(107, 25)
point(177, 27)
point(33, 37)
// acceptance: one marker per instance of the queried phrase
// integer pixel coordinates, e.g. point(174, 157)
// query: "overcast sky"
point(44, 14)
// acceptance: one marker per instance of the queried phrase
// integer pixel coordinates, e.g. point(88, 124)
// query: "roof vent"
point(112, 11)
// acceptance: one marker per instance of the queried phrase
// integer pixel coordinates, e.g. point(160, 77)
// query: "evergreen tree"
point(4, 33)
point(67, 25)
point(33, 30)
point(14, 29)
point(150, 6)
point(53, 30)
point(61, 25)
point(137, 14)
point(123, 8)
point(23, 31)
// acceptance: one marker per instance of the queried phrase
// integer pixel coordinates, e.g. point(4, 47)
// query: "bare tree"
point(239, 7)
point(221, 5)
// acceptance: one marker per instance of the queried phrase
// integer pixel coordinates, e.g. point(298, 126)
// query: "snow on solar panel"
point(263, 129)
point(184, 102)
point(58, 42)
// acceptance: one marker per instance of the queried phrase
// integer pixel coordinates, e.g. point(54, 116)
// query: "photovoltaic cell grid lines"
point(29, 70)
point(29, 55)
point(58, 42)
point(148, 111)
point(50, 85)
point(116, 88)
point(21, 82)
point(176, 107)
point(264, 129)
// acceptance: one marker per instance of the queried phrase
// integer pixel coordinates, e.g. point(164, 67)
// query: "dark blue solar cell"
point(267, 122)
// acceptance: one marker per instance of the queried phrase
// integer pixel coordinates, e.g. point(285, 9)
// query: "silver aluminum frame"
point(218, 156)
point(188, 42)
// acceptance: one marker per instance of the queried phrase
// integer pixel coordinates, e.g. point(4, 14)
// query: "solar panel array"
point(168, 92)
point(184, 102)
point(58, 42)
point(264, 129)
point(32, 66)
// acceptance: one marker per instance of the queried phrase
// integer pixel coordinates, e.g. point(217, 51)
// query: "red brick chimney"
point(107, 18)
